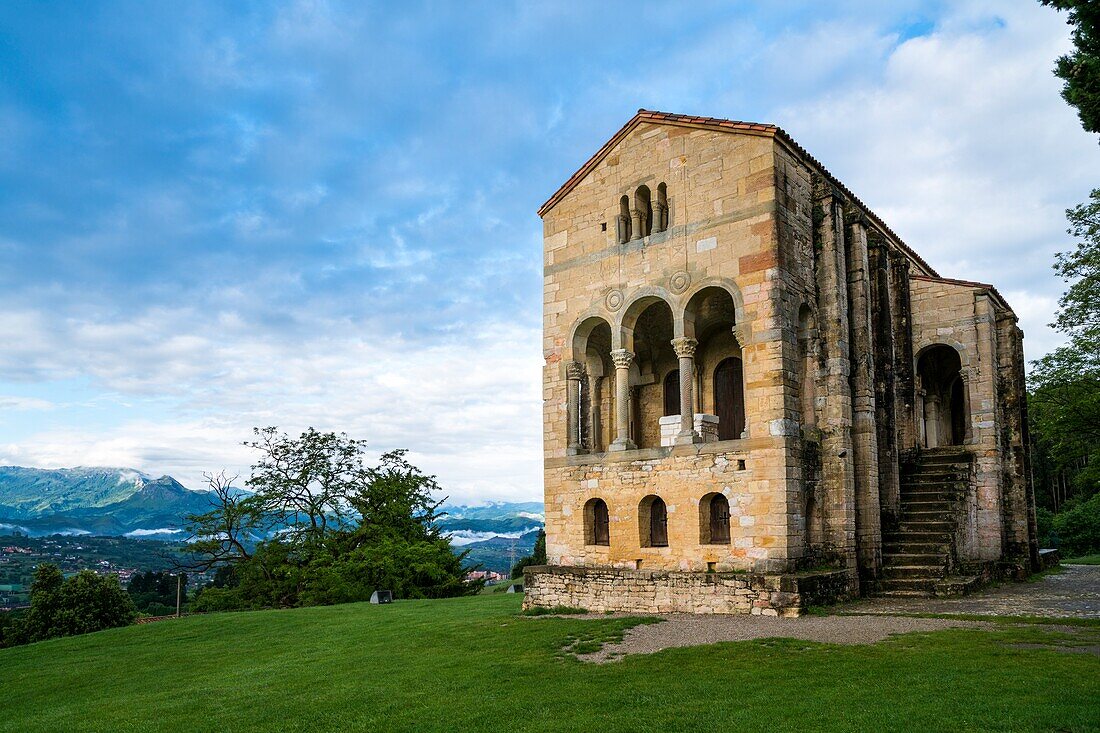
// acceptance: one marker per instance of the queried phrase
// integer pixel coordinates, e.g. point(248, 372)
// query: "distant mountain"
point(101, 501)
point(507, 520)
point(496, 534)
point(34, 492)
point(122, 501)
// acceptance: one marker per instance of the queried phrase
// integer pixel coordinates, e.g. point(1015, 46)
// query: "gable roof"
point(969, 284)
point(736, 126)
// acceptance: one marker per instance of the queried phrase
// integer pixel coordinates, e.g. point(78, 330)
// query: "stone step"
point(947, 481)
point(954, 454)
point(925, 516)
point(902, 594)
point(915, 559)
point(922, 585)
point(924, 540)
point(924, 504)
point(912, 572)
point(924, 525)
point(906, 547)
point(957, 585)
point(929, 495)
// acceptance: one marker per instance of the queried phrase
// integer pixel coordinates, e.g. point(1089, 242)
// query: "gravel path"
point(1072, 593)
point(686, 630)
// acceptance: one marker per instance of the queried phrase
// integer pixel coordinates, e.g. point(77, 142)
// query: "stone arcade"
point(756, 396)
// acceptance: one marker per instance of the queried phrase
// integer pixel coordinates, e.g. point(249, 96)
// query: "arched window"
point(597, 525)
point(672, 393)
point(714, 520)
point(729, 398)
point(660, 209)
point(653, 522)
point(642, 204)
point(624, 219)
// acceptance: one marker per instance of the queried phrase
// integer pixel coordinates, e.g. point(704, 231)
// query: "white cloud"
point(467, 408)
point(965, 148)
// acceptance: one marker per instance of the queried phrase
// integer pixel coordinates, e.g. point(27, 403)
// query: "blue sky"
point(214, 216)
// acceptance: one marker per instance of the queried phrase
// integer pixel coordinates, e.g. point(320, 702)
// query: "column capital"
point(684, 347)
point(574, 370)
point(622, 358)
point(740, 336)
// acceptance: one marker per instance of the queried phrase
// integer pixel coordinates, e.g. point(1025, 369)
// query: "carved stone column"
point(636, 222)
point(660, 217)
point(685, 352)
point(623, 359)
point(622, 228)
point(574, 373)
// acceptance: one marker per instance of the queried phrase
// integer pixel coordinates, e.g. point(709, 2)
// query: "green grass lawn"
point(1084, 560)
point(474, 664)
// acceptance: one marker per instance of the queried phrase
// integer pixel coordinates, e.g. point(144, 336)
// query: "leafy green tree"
point(223, 535)
point(537, 556)
point(81, 604)
point(41, 620)
point(1065, 402)
point(346, 529)
point(91, 602)
point(1078, 527)
point(1080, 70)
point(155, 592)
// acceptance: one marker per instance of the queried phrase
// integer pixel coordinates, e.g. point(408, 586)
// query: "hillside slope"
point(472, 664)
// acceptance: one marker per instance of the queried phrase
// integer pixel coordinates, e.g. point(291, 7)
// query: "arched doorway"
point(672, 393)
point(946, 405)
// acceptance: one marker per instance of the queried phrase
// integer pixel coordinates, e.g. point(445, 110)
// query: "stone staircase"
point(917, 556)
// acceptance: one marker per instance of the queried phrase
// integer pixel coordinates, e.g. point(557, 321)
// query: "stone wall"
point(828, 313)
point(651, 591)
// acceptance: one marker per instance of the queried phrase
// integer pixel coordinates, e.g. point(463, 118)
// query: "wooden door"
point(729, 399)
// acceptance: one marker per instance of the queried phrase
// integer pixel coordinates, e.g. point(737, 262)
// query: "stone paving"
point(1074, 592)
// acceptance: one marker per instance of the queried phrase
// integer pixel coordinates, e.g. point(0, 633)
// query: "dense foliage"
point(61, 606)
point(537, 557)
point(1064, 403)
point(321, 527)
point(1080, 70)
point(154, 593)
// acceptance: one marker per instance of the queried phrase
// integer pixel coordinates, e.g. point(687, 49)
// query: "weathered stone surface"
point(700, 268)
point(662, 591)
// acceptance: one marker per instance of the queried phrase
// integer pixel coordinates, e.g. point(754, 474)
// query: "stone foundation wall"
point(653, 591)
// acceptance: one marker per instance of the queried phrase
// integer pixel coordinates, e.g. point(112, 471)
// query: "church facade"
point(756, 396)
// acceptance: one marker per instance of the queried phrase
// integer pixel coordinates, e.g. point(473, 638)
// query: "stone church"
point(757, 397)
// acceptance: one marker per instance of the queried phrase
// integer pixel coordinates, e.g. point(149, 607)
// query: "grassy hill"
point(473, 664)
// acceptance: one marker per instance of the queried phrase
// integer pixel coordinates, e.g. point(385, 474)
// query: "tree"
point(155, 592)
point(222, 536)
point(1065, 402)
point(537, 556)
point(304, 482)
point(41, 619)
point(343, 528)
point(81, 604)
point(1080, 70)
